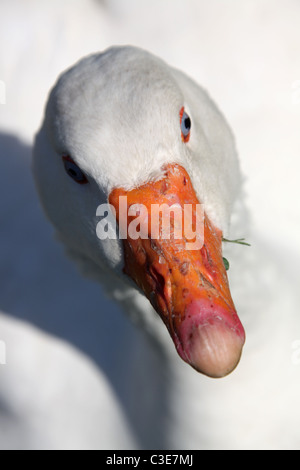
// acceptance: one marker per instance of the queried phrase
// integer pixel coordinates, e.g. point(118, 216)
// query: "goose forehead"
point(112, 114)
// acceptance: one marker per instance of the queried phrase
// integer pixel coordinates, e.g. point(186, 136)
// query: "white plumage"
point(73, 125)
point(257, 406)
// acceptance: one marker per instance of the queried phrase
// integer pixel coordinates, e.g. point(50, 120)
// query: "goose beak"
point(183, 275)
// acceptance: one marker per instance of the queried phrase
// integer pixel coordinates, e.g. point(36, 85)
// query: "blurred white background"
point(246, 54)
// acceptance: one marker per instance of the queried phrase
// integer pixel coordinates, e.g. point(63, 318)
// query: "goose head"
point(124, 127)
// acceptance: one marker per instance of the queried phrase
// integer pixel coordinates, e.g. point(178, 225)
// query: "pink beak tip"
point(212, 344)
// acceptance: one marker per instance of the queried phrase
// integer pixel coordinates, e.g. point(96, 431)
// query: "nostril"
point(158, 279)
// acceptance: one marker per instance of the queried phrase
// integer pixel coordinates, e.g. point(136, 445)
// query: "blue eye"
point(73, 170)
point(185, 125)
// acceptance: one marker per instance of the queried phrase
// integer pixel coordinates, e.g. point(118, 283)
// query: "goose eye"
point(185, 125)
point(73, 170)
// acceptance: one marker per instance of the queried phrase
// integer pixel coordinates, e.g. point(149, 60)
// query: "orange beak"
point(183, 277)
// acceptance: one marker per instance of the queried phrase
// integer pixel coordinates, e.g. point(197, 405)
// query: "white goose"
point(124, 123)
